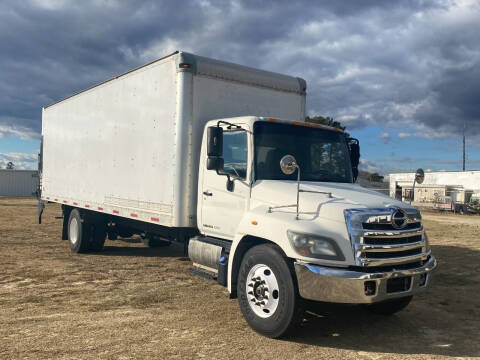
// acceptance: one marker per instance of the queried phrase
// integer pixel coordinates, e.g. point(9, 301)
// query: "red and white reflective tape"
point(100, 208)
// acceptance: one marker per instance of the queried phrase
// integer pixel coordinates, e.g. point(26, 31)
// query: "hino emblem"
point(399, 219)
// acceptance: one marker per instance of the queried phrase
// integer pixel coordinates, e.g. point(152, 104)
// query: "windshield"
point(321, 154)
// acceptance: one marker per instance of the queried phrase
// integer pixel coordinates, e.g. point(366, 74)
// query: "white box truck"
point(218, 156)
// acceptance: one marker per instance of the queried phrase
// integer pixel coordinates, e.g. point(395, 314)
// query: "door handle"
point(207, 193)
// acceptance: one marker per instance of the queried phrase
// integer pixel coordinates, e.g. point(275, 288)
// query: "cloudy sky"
point(403, 76)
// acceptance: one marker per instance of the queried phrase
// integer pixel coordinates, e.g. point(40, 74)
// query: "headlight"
point(315, 246)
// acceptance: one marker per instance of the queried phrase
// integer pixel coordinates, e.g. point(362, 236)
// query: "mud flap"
point(41, 206)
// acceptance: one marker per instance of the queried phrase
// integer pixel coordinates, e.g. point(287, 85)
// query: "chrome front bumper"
point(337, 285)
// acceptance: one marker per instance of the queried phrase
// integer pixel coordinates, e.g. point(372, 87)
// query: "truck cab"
point(282, 220)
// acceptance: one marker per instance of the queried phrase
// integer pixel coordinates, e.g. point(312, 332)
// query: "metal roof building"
point(465, 180)
point(18, 182)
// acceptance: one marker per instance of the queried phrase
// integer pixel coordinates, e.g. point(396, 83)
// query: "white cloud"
point(21, 132)
point(386, 137)
point(383, 63)
point(49, 4)
point(22, 161)
point(368, 166)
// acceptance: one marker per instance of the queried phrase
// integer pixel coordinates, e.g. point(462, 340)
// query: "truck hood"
point(312, 205)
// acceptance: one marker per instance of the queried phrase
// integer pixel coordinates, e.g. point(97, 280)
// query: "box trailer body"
point(219, 156)
point(132, 144)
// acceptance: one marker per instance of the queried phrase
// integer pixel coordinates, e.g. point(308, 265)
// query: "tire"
point(389, 307)
point(271, 305)
point(99, 233)
point(85, 233)
point(78, 234)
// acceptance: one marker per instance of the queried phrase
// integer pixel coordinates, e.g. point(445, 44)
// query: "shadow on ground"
point(174, 250)
point(443, 321)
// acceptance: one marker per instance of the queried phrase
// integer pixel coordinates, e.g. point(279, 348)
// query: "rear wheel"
point(77, 234)
point(267, 292)
point(99, 233)
point(85, 233)
point(389, 307)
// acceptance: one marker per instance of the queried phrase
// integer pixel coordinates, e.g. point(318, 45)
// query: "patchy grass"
point(133, 302)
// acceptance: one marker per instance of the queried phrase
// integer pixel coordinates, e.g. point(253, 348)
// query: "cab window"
point(235, 153)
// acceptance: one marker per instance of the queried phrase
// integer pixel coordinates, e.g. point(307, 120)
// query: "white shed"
point(18, 182)
point(463, 180)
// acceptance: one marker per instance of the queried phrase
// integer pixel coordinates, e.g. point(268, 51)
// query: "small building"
point(458, 186)
point(18, 182)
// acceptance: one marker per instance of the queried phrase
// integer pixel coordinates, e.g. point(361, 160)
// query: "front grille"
point(377, 226)
point(393, 254)
point(391, 240)
point(377, 242)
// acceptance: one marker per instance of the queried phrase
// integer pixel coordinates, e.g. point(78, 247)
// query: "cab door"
point(222, 209)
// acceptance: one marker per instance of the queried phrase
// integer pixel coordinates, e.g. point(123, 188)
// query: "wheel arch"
point(246, 243)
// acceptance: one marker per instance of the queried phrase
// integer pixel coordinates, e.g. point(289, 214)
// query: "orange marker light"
point(272, 119)
point(254, 222)
point(298, 123)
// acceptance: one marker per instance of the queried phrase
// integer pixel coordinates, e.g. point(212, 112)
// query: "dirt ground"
point(133, 302)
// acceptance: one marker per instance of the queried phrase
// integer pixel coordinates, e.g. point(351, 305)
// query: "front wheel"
point(389, 307)
point(267, 292)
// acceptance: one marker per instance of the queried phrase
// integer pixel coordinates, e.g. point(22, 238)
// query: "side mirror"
point(419, 176)
point(288, 164)
point(214, 141)
point(215, 163)
point(215, 148)
point(354, 147)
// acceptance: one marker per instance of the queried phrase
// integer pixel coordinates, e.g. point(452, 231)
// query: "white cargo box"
point(130, 146)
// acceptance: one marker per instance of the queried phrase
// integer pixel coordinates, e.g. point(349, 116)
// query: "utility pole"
point(463, 158)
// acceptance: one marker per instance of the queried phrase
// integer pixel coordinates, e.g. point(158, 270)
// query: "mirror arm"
point(230, 125)
point(230, 179)
point(413, 191)
point(298, 189)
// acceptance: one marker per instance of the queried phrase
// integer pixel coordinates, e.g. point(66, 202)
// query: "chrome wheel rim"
point(262, 290)
point(73, 231)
